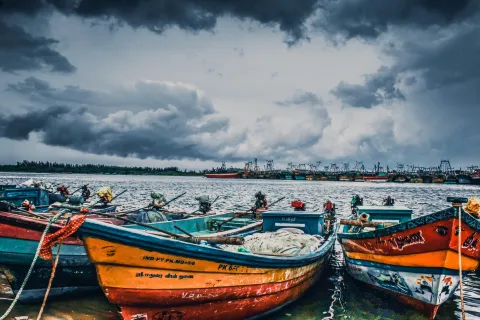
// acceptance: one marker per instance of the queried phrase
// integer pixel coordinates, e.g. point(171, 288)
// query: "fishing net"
point(30, 183)
point(282, 241)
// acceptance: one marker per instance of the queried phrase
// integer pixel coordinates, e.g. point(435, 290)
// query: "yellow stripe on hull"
point(435, 259)
point(121, 266)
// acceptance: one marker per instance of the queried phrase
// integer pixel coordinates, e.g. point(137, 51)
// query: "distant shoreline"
point(109, 174)
point(61, 168)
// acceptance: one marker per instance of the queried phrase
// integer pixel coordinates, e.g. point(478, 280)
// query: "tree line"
point(54, 167)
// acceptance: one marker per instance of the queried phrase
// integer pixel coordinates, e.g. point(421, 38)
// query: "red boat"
point(375, 178)
point(233, 175)
point(223, 173)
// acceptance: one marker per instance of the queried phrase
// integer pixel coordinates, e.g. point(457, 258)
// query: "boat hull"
point(154, 278)
point(74, 275)
point(422, 288)
point(416, 260)
point(222, 175)
point(375, 179)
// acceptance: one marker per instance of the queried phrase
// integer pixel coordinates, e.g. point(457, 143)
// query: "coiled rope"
point(37, 253)
point(460, 260)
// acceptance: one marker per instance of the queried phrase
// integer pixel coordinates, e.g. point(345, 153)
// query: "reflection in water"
point(335, 296)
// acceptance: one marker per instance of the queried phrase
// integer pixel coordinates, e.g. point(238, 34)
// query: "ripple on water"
point(335, 296)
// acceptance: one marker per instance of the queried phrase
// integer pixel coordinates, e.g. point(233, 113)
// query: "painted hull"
point(222, 175)
point(19, 237)
point(18, 244)
point(160, 278)
point(464, 180)
point(415, 260)
point(99, 209)
point(476, 180)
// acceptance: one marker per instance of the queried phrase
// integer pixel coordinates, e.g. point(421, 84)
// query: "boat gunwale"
point(414, 223)
point(153, 243)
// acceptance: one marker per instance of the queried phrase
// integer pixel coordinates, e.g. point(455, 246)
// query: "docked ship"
point(381, 177)
point(451, 179)
point(223, 173)
point(476, 177)
point(463, 178)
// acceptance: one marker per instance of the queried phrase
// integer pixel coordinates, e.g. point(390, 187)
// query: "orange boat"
point(152, 277)
point(416, 260)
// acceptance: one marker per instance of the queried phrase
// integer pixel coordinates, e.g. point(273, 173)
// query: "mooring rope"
point(29, 273)
point(52, 275)
point(460, 259)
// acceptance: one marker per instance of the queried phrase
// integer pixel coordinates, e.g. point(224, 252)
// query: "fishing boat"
point(463, 178)
point(416, 179)
point(451, 179)
point(223, 173)
point(414, 259)
point(427, 178)
point(152, 277)
point(381, 177)
point(20, 234)
point(476, 177)
point(41, 199)
point(438, 178)
point(400, 178)
point(345, 178)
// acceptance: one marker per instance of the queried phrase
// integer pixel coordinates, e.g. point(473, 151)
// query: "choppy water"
point(336, 296)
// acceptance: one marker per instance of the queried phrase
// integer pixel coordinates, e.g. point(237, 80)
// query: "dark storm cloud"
point(377, 89)
point(151, 119)
point(21, 51)
point(142, 95)
point(191, 15)
point(369, 18)
point(301, 97)
point(157, 133)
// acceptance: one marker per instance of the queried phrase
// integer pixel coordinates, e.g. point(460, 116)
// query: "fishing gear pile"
point(283, 241)
point(260, 200)
point(86, 192)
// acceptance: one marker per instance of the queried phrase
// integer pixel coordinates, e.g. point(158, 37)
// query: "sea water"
point(335, 296)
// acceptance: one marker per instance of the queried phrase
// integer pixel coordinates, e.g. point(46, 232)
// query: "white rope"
point(460, 259)
point(12, 305)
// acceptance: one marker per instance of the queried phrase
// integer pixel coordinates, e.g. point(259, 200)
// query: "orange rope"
point(52, 275)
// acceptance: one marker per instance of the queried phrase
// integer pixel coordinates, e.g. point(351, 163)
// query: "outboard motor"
point(158, 199)
point(205, 205)
point(85, 192)
point(261, 200)
point(389, 201)
point(355, 202)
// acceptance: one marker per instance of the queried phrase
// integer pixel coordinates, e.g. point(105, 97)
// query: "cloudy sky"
point(195, 82)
